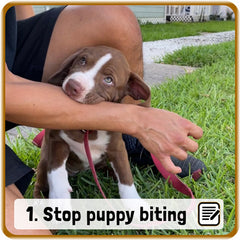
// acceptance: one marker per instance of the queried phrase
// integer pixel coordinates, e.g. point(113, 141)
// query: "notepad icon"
point(208, 213)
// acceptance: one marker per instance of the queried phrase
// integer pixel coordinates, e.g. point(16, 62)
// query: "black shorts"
point(16, 171)
point(33, 36)
point(32, 43)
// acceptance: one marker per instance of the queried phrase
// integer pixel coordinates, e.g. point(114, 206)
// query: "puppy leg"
point(120, 164)
point(126, 191)
point(59, 186)
point(41, 188)
point(52, 174)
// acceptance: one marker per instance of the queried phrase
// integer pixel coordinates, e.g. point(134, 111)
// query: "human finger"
point(169, 165)
point(179, 153)
point(195, 131)
point(190, 145)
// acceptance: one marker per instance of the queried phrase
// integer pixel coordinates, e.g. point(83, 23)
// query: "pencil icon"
point(209, 214)
point(214, 214)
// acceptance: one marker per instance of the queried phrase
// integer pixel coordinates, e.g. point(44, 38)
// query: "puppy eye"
point(108, 80)
point(83, 61)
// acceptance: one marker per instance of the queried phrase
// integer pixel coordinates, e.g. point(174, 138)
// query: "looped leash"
point(172, 178)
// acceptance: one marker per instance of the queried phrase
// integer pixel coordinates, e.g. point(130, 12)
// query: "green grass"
point(153, 32)
point(206, 97)
point(201, 55)
point(27, 152)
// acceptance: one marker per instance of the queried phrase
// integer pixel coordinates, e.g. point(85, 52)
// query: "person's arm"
point(24, 11)
point(43, 105)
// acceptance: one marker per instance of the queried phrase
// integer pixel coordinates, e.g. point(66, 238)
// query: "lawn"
point(202, 55)
point(153, 32)
point(206, 97)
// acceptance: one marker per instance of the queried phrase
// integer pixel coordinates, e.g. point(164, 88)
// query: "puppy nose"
point(73, 88)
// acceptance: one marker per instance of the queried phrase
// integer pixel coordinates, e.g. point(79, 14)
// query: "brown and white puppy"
point(90, 76)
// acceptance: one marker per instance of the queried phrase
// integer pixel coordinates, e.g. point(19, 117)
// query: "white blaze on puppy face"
point(86, 79)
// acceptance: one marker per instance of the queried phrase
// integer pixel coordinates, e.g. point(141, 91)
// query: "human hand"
point(166, 134)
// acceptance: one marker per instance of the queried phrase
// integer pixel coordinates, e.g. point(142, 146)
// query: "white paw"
point(63, 192)
point(130, 198)
point(59, 186)
point(126, 191)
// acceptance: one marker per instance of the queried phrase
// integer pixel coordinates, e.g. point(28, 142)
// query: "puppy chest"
point(97, 147)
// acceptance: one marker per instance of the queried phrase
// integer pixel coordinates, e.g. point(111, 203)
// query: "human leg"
point(139, 155)
point(17, 179)
point(81, 26)
point(11, 194)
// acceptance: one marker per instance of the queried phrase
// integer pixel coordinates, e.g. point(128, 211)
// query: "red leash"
point(90, 161)
point(172, 178)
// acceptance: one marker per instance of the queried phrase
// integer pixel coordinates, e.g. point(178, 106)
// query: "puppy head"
point(96, 74)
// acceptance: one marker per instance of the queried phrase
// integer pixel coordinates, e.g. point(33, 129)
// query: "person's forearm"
point(43, 105)
point(46, 106)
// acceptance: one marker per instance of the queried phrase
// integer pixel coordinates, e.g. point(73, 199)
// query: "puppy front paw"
point(60, 192)
point(129, 192)
point(59, 186)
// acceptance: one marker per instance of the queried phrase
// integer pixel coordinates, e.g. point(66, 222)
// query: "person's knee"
point(110, 23)
point(122, 19)
point(122, 23)
point(122, 31)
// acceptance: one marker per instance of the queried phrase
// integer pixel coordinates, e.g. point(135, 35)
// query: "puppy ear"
point(58, 77)
point(138, 90)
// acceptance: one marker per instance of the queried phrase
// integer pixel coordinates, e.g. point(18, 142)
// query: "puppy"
point(89, 76)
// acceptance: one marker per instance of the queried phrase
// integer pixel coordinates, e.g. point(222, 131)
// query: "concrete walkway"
point(156, 50)
point(155, 73)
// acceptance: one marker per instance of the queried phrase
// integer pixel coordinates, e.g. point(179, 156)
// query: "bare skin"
point(42, 105)
point(11, 194)
point(23, 12)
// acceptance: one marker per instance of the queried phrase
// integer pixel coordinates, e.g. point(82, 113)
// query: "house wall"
point(224, 10)
point(144, 13)
point(149, 13)
point(161, 13)
point(200, 11)
point(41, 8)
point(210, 10)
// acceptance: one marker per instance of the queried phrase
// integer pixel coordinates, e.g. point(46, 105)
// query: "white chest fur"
point(97, 146)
